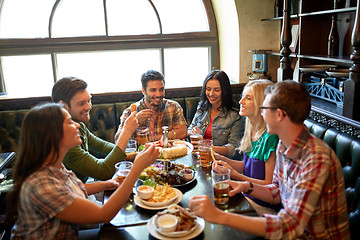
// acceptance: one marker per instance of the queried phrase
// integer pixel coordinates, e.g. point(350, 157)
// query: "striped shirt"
point(43, 195)
point(309, 182)
point(170, 113)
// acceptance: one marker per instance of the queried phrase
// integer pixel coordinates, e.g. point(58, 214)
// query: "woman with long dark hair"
point(48, 201)
point(217, 115)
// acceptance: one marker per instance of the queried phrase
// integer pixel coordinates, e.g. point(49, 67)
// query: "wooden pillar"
point(351, 107)
point(285, 71)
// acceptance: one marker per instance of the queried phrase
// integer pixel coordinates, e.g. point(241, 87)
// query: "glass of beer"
point(221, 189)
point(204, 154)
point(194, 140)
point(122, 170)
point(142, 135)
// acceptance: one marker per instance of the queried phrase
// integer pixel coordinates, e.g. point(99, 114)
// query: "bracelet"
point(250, 189)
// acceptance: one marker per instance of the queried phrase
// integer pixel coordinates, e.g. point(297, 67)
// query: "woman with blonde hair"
point(257, 146)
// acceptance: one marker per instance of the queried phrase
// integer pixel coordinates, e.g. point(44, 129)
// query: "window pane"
point(131, 17)
point(179, 16)
point(18, 18)
point(28, 76)
point(114, 71)
point(192, 61)
point(75, 18)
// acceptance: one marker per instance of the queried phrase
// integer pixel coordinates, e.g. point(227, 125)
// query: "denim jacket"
point(227, 128)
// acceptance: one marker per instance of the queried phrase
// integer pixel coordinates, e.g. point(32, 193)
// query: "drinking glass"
point(122, 170)
point(142, 135)
point(204, 154)
point(221, 188)
point(131, 146)
point(194, 140)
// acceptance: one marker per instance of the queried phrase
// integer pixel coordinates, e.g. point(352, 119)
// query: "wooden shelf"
point(327, 58)
point(332, 11)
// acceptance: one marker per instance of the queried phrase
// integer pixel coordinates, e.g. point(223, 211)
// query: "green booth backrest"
point(347, 148)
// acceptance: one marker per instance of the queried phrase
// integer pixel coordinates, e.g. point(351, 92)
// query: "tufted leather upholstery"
point(347, 148)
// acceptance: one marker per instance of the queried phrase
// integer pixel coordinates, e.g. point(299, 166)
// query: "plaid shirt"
point(170, 113)
point(43, 195)
point(308, 180)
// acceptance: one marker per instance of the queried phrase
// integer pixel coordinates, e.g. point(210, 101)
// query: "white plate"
point(190, 148)
point(175, 234)
point(138, 201)
point(160, 204)
point(316, 68)
point(200, 225)
point(339, 72)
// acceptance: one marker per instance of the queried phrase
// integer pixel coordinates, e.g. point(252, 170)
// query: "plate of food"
point(177, 175)
point(176, 149)
point(161, 201)
point(316, 68)
point(188, 225)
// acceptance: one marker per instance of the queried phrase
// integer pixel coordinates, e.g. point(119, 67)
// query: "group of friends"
point(293, 179)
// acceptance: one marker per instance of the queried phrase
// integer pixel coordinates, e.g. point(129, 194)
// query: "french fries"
point(162, 194)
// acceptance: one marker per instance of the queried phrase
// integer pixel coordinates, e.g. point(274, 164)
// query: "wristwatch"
point(250, 189)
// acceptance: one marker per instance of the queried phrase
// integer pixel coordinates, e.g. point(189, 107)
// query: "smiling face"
point(213, 92)
point(71, 136)
point(247, 103)
point(154, 92)
point(80, 106)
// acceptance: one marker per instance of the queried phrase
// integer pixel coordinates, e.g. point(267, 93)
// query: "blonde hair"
point(258, 87)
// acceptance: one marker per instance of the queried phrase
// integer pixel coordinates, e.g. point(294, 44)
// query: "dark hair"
point(65, 89)
point(150, 76)
point(292, 97)
point(227, 100)
point(41, 133)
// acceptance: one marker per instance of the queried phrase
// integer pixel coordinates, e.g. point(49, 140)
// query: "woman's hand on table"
point(110, 184)
point(194, 130)
point(203, 207)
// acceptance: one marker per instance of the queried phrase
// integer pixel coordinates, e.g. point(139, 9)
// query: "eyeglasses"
point(262, 108)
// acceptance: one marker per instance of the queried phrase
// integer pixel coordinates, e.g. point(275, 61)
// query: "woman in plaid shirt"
point(48, 201)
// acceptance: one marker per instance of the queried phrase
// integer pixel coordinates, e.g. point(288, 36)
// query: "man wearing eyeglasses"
point(308, 178)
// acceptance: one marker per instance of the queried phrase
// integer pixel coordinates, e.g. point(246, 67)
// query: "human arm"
point(203, 207)
point(96, 187)
point(83, 211)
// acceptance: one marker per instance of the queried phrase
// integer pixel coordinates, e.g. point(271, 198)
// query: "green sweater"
point(84, 164)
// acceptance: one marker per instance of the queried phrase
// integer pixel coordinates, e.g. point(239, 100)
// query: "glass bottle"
point(333, 40)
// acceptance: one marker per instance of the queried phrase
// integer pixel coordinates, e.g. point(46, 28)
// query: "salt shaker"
point(165, 135)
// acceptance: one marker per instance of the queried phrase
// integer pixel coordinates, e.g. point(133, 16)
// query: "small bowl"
point(145, 192)
point(179, 143)
point(167, 223)
point(187, 173)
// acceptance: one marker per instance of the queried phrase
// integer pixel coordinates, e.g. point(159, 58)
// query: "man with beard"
point(72, 92)
point(154, 111)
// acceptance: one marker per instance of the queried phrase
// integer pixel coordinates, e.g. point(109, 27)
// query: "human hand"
point(110, 184)
point(218, 164)
point(146, 157)
point(144, 114)
point(236, 187)
point(195, 130)
point(131, 123)
point(203, 207)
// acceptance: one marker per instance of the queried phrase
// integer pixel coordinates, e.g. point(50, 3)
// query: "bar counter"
point(131, 221)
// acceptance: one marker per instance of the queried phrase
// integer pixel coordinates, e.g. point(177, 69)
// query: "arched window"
point(107, 43)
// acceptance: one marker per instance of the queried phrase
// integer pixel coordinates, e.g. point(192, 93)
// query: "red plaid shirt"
point(170, 113)
point(308, 180)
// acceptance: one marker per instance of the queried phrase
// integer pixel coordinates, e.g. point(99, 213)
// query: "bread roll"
point(174, 152)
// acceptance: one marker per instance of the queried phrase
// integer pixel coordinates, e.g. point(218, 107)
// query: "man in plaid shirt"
point(307, 180)
point(154, 111)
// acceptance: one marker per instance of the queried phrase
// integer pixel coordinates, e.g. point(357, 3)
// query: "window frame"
point(52, 46)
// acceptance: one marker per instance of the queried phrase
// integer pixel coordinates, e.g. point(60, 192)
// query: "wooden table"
point(130, 222)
